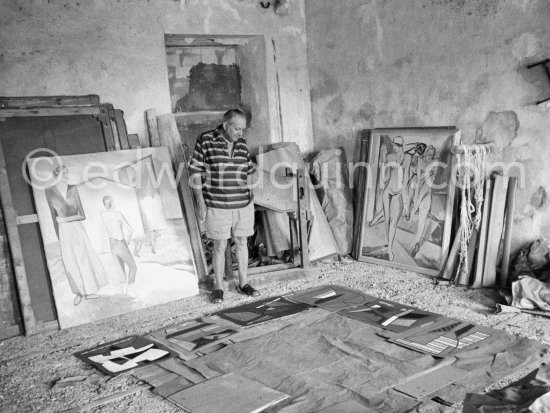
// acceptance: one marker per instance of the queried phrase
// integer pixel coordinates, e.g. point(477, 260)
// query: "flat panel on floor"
point(429, 383)
point(229, 393)
point(332, 297)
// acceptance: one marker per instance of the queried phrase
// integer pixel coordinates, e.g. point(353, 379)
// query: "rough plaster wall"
point(116, 49)
point(392, 63)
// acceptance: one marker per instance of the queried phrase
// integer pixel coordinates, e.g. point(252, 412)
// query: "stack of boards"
point(488, 247)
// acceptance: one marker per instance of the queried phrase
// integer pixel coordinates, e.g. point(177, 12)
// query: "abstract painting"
point(410, 194)
point(114, 233)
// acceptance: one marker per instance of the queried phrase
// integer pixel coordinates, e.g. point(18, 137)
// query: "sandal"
point(249, 290)
point(77, 299)
point(217, 296)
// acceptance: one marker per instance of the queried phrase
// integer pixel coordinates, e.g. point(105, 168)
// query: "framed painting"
point(408, 208)
point(114, 234)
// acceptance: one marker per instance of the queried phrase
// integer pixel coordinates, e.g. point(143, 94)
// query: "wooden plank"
point(510, 208)
point(169, 136)
point(265, 269)
point(482, 245)
point(494, 234)
point(198, 40)
point(114, 126)
point(57, 111)
point(121, 129)
point(47, 101)
point(27, 219)
point(447, 273)
point(133, 141)
point(303, 206)
point(47, 326)
point(10, 318)
point(9, 332)
point(281, 275)
point(10, 218)
point(109, 399)
point(466, 270)
point(360, 192)
point(107, 128)
point(152, 127)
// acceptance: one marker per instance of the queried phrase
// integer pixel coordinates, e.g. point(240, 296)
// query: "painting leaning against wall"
point(114, 234)
point(407, 213)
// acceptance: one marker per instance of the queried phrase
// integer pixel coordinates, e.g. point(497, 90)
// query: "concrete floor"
point(30, 366)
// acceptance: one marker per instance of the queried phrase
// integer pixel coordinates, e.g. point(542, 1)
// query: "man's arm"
point(196, 184)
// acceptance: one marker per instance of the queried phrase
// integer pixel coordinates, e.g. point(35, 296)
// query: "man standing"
point(120, 234)
point(221, 174)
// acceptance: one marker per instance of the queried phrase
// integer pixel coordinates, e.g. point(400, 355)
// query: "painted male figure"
point(120, 234)
point(221, 173)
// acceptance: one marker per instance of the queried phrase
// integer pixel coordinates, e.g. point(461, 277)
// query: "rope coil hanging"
point(471, 172)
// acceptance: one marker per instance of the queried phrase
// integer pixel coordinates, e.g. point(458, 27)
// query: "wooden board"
point(152, 127)
point(229, 393)
point(482, 245)
point(133, 141)
point(494, 233)
point(10, 217)
point(510, 208)
point(60, 111)
point(360, 192)
point(169, 136)
point(121, 129)
point(47, 101)
point(107, 128)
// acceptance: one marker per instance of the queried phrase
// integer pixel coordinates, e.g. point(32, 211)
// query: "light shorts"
point(225, 223)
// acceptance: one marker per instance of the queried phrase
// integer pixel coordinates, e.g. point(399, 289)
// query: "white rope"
point(471, 177)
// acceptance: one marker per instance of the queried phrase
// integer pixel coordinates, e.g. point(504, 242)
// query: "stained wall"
point(396, 63)
point(115, 49)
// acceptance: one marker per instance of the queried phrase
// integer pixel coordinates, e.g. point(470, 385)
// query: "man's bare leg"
point(218, 261)
point(241, 243)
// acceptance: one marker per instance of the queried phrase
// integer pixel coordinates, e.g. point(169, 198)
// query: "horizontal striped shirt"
point(224, 174)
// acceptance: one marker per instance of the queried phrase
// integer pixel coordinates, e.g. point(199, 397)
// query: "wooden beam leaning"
point(483, 231)
point(169, 136)
point(510, 207)
point(121, 129)
point(303, 204)
point(105, 121)
point(133, 141)
point(29, 319)
point(152, 127)
point(494, 234)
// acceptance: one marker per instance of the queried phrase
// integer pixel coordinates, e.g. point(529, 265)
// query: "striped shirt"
point(224, 174)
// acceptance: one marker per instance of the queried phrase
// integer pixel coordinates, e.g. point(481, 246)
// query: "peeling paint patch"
point(335, 109)
point(326, 86)
point(366, 111)
point(525, 46)
point(500, 127)
point(539, 199)
point(481, 8)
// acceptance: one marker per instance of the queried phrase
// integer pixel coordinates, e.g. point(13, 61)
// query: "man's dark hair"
point(230, 114)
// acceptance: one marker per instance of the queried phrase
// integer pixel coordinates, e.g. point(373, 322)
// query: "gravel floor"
point(31, 366)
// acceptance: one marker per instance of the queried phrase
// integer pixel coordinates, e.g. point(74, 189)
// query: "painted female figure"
point(84, 270)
